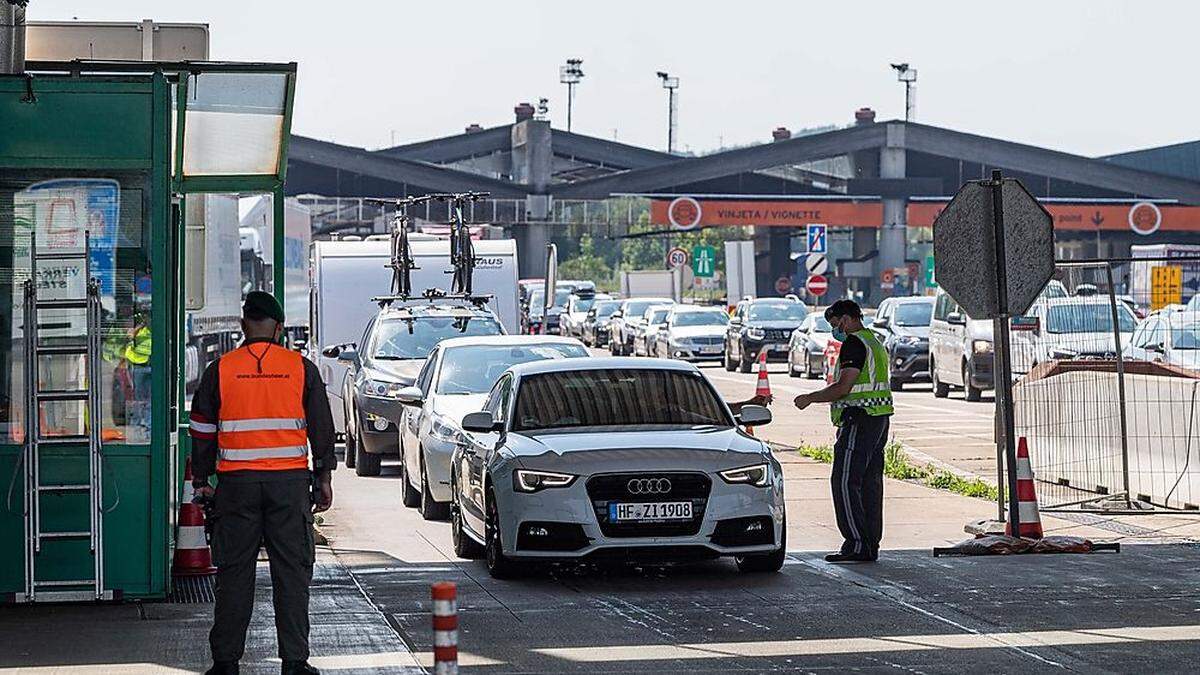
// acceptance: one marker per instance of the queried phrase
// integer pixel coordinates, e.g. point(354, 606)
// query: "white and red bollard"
point(192, 554)
point(445, 628)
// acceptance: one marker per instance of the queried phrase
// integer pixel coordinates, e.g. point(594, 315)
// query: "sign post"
point(994, 244)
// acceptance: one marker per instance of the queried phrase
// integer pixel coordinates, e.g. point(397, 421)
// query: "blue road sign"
point(817, 242)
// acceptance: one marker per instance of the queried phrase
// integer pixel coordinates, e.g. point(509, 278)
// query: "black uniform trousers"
point(251, 509)
point(857, 480)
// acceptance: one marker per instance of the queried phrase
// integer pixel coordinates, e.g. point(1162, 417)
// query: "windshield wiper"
point(390, 357)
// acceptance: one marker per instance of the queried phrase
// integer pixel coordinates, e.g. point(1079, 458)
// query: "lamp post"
point(570, 75)
point(909, 77)
point(670, 84)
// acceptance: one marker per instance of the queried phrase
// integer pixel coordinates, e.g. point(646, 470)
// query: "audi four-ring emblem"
point(649, 486)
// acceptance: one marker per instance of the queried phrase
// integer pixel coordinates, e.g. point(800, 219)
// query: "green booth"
point(98, 164)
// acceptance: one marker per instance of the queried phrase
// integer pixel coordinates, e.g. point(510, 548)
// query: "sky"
point(1091, 77)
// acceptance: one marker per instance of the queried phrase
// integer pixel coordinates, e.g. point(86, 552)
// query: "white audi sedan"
point(453, 382)
point(603, 458)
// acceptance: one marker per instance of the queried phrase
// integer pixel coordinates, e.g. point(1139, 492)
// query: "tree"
point(587, 265)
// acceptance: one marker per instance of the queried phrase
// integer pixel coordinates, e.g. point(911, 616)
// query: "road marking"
point(876, 644)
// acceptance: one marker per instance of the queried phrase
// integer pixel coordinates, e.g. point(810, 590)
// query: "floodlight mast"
point(908, 76)
point(570, 75)
point(670, 84)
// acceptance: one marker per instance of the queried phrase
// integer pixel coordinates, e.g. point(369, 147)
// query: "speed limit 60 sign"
point(676, 257)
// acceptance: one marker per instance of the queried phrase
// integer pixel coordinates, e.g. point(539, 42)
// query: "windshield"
point(474, 369)
point(1089, 318)
point(914, 314)
point(657, 315)
point(617, 398)
point(636, 308)
point(583, 304)
point(1187, 337)
point(779, 311)
point(605, 308)
point(397, 339)
point(561, 296)
point(700, 319)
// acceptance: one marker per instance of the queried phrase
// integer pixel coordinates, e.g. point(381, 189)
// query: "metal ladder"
point(70, 589)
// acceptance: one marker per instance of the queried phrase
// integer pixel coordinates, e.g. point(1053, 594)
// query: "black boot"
point(223, 668)
point(298, 668)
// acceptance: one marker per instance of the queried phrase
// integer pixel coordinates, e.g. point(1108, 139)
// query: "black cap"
point(843, 308)
point(262, 305)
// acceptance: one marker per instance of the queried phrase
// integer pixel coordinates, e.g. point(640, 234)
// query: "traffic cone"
point(192, 555)
point(1031, 520)
point(764, 385)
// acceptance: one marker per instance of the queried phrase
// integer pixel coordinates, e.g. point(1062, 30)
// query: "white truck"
point(650, 284)
point(347, 274)
point(1139, 272)
point(258, 259)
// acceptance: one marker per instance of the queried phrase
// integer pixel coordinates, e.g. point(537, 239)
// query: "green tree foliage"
point(586, 264)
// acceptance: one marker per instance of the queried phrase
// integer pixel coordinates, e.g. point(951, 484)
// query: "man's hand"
point(802, 401)
point(762, 400)
point(324, 492)
point(200, 494)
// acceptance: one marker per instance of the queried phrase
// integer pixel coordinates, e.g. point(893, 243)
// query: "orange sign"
point(835, 213)
point(1142, 217)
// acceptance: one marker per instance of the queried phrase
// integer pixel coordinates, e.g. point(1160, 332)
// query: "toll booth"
point(99, 162)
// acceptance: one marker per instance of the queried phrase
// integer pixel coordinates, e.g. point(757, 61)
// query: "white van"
point(347, 274)
point(960, 350)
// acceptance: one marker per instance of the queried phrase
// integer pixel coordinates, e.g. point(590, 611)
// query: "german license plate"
point(710, 350)
point(625, 512)
point(779, 347)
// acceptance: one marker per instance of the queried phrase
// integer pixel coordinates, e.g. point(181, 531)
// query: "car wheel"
point(765, 562)
point(744, 363)
point(464, 546)
point(811, 374)
point(970, 392)
point(499, 565)
point(940, 389)
point(896, 385)
point(730, 364)
point(366, 464)
point(409, 495)
point(792, 367)
point(430, 509)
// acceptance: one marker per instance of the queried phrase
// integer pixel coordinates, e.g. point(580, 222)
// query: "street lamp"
point(670, 84)
point(570, 75)
point(909, 77)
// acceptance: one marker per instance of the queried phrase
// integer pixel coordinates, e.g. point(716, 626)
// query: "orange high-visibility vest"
point(261, 424)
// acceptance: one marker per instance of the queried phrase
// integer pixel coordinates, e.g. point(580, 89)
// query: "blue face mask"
point(839, 335)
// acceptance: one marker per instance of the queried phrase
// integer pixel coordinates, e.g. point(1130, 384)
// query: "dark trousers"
point(858, 481)
point(249, 511)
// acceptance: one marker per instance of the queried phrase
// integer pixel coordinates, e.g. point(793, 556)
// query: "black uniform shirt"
point(206, 404)
point(853, 353)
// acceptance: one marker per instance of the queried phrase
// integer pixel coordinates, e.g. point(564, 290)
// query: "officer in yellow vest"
point(257, 415)
point(861, 406)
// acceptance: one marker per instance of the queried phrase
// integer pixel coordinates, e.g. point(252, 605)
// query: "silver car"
point(453, 382)
point(692, 334)
point(585, 459)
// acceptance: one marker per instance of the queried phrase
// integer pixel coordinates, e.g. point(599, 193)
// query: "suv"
point(595, 325)
point(761, 324)
point(387, 358)
point(624, 323)
point(902, 325)
point(960, 350)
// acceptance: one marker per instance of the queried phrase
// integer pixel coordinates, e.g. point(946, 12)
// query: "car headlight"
point(382, 389)
point(756, 475)
point(910, 340)
point(444, 429)
point(525, 480)
point(982, 346)
point(756, 333)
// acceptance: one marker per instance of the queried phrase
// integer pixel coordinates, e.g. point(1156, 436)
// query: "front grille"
point(752, 531)
point(704, 341)
point(693, 487)
point(778, 334)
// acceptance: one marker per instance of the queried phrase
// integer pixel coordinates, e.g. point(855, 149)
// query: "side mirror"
point(617, 314)
point(481, 422)
point(411, 396)
point(754, 415)
point(347, 355)
point(1158, 348)
point(331, 352)
point(881, 323)
point(956, 318)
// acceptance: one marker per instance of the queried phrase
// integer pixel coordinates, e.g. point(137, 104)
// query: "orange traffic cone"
point(192, 555)
point(1031, 520)
point(764, 385)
